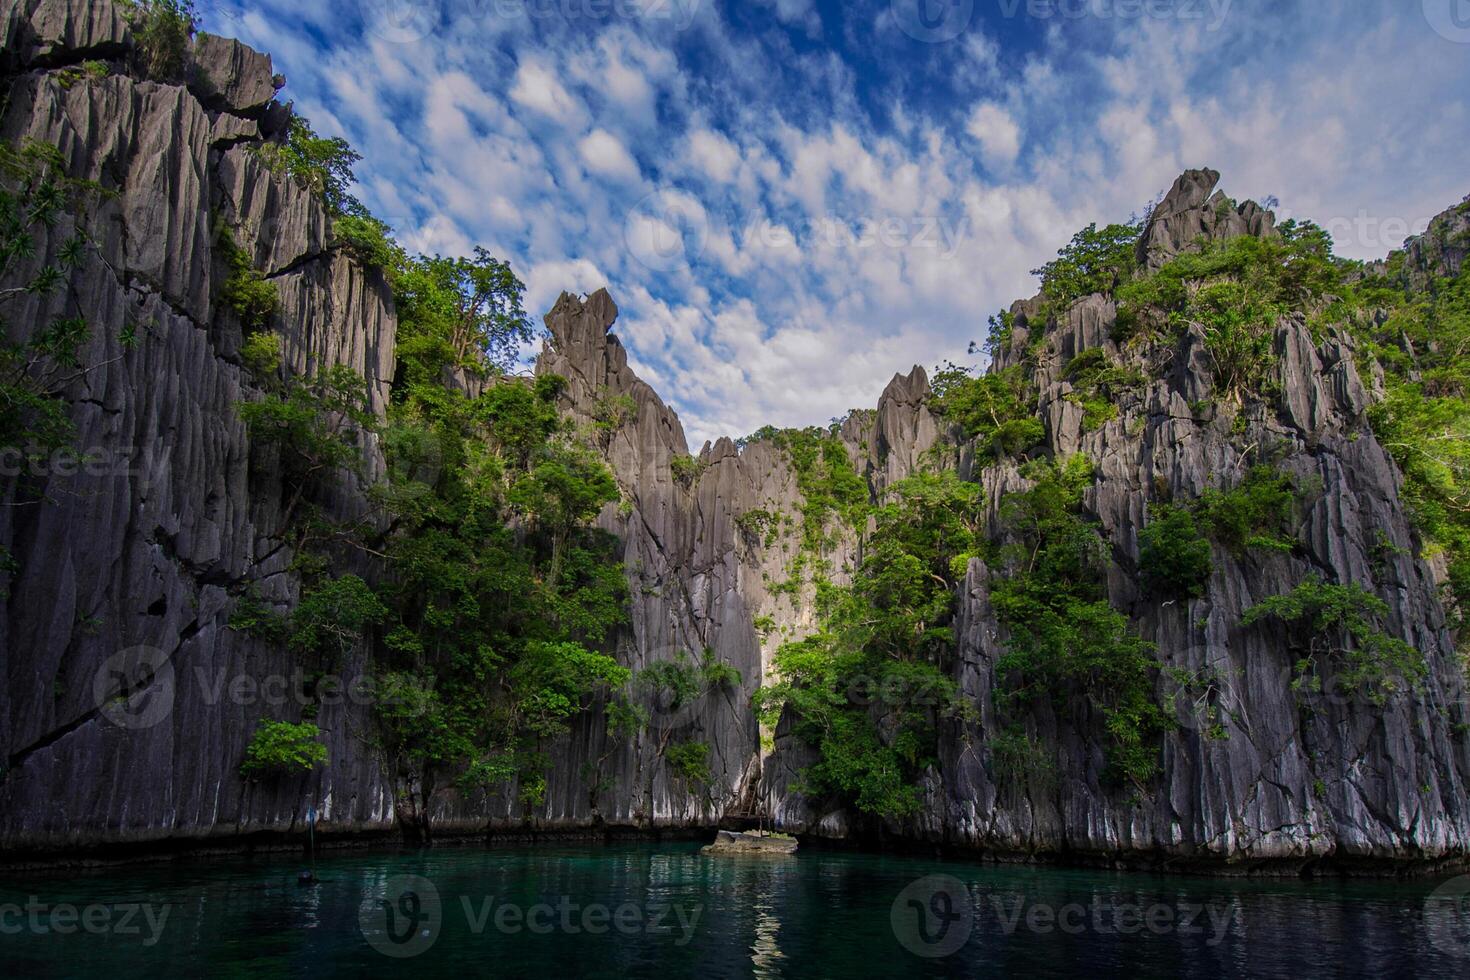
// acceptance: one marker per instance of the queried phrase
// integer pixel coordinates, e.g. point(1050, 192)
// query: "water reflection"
point(624, 911)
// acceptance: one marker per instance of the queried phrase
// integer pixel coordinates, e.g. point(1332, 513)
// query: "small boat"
point(752, 842)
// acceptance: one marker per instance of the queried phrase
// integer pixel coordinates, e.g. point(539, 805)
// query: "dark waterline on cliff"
point(634, 910)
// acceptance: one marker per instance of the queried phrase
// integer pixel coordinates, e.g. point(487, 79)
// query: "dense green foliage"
point(997, 409)
point(1421, 337)
point(1338, 627)
point(868, 687)
point(280, 748)
point(39, 202)
point(1065, 638)
point(1255, 514)
point(37, 198)
point(1095, 261)
point(162, 30)
point(320, 164)
point(458, 313)
point(368, 240)
point(1236, 290)
point(486, 633)
point(689, 761)
point(1097, 383)
point(1173, 554)
point(314, 425)
point(830, 487)
point(502, 594)
point(245, 290)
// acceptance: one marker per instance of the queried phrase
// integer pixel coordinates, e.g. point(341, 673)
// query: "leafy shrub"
point(758, 526)
point(1065, 638)
point(611, 412)
point(997, 410)
point(254, 618)
point(87, 71)
point(162, 31)
point(1255, 514)
point(1097, 384)
point(1022, 762)
point(368, 240)
point(280, 748)
point(689, 761)
point(1173, 554)
point(1340, 626)
point(686, 469)
point(246, 291)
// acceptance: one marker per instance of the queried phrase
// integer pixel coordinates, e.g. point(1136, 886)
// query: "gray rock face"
point(148, 548)
point(38, 32)
point(152, 550)
point(1189, 212)
point(231, 76)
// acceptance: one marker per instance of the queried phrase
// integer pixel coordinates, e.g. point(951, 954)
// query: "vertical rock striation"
point(153, 550)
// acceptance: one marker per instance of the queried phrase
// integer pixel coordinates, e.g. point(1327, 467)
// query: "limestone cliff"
point(153, 552)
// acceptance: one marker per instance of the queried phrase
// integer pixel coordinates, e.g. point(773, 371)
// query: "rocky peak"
point(1190, 211)
point(230, 77)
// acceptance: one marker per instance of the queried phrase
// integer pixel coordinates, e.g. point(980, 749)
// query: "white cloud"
point(536, 88)
point(998, 134)
point(539, 139)
point(603, 153)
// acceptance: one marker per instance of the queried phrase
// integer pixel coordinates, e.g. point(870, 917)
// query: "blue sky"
point(791, 200)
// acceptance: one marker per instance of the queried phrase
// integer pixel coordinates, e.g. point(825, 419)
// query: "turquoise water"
point(663, 910)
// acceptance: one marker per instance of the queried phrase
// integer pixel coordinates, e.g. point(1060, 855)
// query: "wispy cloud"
point(792, 201)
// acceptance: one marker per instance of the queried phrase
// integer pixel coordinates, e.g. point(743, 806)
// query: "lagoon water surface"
point(665, 910)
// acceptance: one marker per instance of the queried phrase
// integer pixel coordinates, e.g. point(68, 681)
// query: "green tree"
point(868, 688)
point(162, 32)
point(1339, 628)
point(1173, 554)
point(459, 313)
point(322, 165)
point(1065, 638)
point(1095, 261)
point(280, 748)
point(997, 409)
